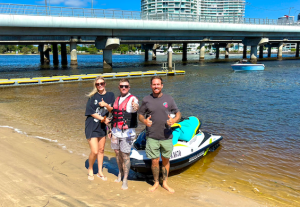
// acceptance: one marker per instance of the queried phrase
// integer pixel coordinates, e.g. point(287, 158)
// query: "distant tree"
point(68, 49)
point(3, 49)
point(25, 50)
point(34, 50)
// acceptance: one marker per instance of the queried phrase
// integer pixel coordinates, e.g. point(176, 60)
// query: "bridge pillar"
point(217, 50)
point(170, 51)
point(269, 51)
point(253, 53)
point(154, 54)
point(245, 52)
point(73, 51)
point(261, 51)
point(47, 51)
point(184, 52)
point(279, 53)
point(55, 54)
point(202, 50)
point(41, 50)
point(107, 59)
point(227, 51)
point(297, 50)
point(146, 54)
point(63, 54)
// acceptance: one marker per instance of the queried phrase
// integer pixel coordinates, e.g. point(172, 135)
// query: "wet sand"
point(37, 173)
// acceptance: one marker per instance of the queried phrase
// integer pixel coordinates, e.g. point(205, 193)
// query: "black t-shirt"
point(94, 127)
point(159, 109)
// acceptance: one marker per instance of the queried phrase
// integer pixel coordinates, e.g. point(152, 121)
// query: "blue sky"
point(271, 9)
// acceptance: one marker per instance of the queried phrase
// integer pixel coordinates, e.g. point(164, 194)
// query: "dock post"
point(170, 51)
point(217, 50)
point(63, 54)
point(184, 52)
point(245, 51)
point(73, 51)
point(269, 51)
point(47, 53)
point(55, 54)
point(297, 49)
point(261, 51)
point(202, 50)
point(107, 59)
point(154, 52)
point(279, 54)
point(253, 54)
point(41, 50)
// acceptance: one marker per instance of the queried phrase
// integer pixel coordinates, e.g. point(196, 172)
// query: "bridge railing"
point(38, 10)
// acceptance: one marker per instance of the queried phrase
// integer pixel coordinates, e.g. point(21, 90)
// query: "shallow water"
point(257, 113)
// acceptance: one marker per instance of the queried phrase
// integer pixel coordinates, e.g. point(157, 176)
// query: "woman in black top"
point(99, 105)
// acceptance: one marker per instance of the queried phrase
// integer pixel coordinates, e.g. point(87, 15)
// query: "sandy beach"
point(38, 173)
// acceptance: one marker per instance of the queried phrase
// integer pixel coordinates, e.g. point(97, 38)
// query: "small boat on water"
point(190, 145)
point(244, 65)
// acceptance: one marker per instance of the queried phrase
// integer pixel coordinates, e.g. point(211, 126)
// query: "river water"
point(257, 113)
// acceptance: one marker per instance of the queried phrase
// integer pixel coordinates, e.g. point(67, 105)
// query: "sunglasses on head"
point(124, 86)
point(98, 84)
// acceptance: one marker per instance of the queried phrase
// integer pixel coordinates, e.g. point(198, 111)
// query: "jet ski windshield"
point(140, 142)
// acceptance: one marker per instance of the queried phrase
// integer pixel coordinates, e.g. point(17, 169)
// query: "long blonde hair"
point(95, 90)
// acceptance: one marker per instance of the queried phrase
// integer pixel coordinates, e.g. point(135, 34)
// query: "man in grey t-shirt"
point(159, 107)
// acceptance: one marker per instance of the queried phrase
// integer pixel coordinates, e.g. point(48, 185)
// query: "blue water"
point(257, 113)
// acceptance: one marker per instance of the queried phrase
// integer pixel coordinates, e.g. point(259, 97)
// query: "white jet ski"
point(190, 145)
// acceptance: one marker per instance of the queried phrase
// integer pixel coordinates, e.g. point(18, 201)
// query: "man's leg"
point(115, 145)
point(120, 166)
point(126, 168)
point(155, 172)
point(165, 173)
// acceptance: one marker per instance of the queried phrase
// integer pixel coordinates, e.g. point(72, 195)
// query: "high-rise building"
point(298, 17)
point(153, 7)
point(227, 9)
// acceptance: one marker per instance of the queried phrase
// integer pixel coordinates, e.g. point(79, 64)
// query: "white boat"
point(243, 65)
point(160, 52)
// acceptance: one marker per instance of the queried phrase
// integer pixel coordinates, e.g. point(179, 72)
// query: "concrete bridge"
point(107, 29)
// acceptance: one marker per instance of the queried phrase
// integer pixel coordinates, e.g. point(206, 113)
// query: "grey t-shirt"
point(159, 109)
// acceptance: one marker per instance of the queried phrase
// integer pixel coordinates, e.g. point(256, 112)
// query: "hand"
point(106, 121)
point(170, 121)
point(135, 106)
point(148, 122)
point(102, 103)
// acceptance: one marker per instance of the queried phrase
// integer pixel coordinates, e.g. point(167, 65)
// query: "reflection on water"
point(257, 114)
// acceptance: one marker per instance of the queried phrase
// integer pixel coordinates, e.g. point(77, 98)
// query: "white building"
point(207, 9)
point(227, 9)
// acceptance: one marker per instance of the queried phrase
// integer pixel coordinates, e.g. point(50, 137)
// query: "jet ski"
point(190, 145)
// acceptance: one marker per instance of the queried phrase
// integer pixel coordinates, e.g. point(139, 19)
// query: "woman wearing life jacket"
point(97, 109)
point(124, 123)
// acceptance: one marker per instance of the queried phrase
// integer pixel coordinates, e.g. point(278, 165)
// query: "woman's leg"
point(101, 145)
point(93, 142)
point(120, 166)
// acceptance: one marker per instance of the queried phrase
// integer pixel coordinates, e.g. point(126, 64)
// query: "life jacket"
point(122, 119)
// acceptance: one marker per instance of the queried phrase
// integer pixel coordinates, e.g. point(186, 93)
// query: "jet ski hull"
point(183, 155)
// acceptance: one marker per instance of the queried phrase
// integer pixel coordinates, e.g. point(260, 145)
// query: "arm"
point(104, 104)
point(101, 118)
point(147, 121)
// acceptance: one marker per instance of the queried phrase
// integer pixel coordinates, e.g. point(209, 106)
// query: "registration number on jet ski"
point(196, 156)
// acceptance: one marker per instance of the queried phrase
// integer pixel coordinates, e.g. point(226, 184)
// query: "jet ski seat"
point(186, 129)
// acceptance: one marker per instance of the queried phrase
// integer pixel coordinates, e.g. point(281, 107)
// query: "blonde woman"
point(97, 109)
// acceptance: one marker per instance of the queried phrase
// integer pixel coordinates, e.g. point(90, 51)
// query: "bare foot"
point(154, 187)
point(124, 186)
point(119, 178)
point(165, 186)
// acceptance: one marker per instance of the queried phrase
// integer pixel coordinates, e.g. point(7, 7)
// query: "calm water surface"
point(256, 112)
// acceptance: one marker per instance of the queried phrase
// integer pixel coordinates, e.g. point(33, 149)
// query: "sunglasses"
point(98, 84)
point(124, 86)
